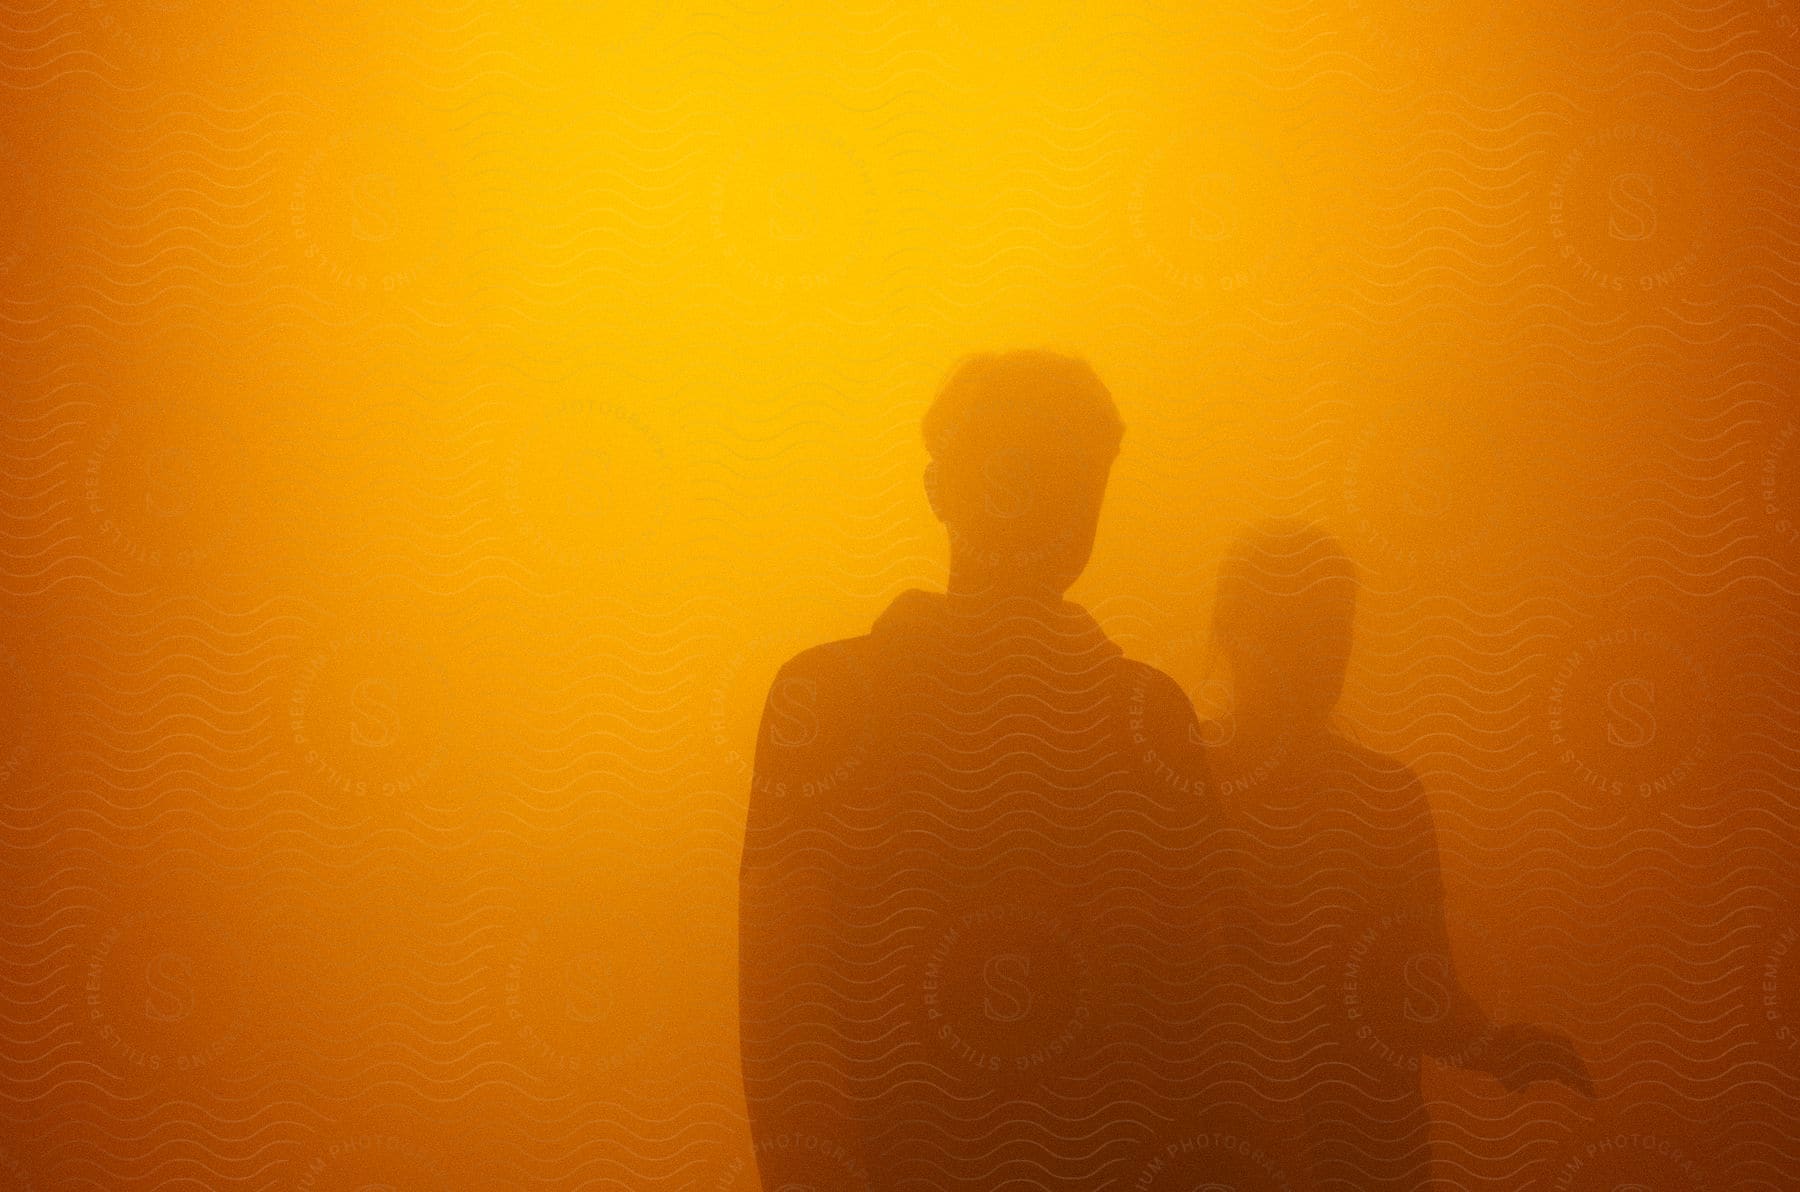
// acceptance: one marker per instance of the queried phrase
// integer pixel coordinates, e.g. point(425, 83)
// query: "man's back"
point(984, 947)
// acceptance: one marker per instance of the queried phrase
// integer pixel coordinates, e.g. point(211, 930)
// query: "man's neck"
point(986, 584)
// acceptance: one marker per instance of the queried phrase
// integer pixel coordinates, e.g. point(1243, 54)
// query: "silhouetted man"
point(1348, 927)
point(979, 913)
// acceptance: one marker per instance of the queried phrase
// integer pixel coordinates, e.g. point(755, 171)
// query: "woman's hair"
point(1287, 564)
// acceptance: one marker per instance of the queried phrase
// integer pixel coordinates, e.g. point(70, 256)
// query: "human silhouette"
point(1352, 954)
point(981, 912)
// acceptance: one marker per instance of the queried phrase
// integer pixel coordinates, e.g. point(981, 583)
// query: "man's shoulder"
point(820, 707)
point(1148, 675)
point(844, 661)
point(1165, 736)
point(1152, 688)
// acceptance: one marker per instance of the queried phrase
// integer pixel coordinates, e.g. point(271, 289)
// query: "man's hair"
point(999, 399)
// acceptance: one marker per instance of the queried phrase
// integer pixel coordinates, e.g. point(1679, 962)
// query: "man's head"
point(1284, 615)
point(1021, 445)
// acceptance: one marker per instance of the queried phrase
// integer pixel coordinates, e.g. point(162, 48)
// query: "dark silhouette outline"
point(1343, 850)
point(982, 920)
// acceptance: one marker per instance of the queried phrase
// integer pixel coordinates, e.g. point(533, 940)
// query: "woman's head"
point(1284, 615)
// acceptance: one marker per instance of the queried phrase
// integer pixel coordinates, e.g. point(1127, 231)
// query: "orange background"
point(426, 431)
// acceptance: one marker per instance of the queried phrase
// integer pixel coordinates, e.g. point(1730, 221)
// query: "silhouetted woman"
point(1352, 964)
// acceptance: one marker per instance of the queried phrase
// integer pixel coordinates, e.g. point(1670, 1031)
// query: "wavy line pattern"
point(429, 429)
